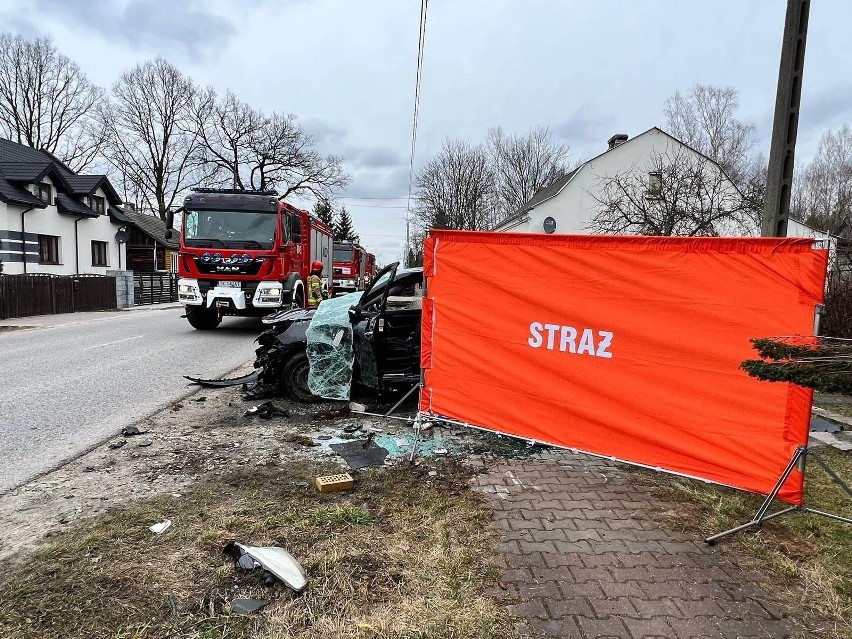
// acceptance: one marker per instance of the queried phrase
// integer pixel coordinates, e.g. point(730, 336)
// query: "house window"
point(100, 253)
point(98, 204)
point(44, 193)
point(48, 249)
point(655, 184)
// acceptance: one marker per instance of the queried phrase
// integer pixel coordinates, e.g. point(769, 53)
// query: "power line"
point(424, 4)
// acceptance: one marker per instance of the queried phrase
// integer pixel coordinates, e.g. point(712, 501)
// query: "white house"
point(53, 220)
point(571, 203)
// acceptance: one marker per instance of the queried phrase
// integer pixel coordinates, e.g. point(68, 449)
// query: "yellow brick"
point(332, 483)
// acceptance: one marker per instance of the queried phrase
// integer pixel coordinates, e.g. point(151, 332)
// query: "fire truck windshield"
point(230, 228)
point(342, 255)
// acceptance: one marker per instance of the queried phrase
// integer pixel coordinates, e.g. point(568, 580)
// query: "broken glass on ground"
point(161, 527)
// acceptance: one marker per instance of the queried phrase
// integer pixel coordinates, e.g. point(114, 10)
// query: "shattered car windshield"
point(233, 228)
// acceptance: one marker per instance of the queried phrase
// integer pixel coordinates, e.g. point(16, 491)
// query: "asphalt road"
point(77, 379)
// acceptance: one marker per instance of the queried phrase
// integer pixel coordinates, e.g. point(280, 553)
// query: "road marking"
point(118, 341)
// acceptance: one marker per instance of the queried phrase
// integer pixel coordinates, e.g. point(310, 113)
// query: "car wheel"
point(202, 319)
point(295, 378)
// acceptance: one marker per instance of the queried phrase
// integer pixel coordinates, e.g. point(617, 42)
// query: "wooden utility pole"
point(779, 179)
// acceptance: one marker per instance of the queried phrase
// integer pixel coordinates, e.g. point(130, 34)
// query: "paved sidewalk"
point(583, 554)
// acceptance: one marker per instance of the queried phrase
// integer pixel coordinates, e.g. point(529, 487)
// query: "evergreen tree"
point(323, 210)
point(344, 229)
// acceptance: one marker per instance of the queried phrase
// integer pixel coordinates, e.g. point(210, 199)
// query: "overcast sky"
point(346, 68)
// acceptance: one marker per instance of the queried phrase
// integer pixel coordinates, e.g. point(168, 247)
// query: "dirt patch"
point(394, 557)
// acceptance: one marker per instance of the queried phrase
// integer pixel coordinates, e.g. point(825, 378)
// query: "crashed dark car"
point(385, 323)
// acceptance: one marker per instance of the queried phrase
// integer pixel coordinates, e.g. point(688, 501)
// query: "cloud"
point(373, 157)
point(585, 128)
point(187, 26)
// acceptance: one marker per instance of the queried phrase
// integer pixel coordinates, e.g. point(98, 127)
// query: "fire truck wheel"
point(202, 319)
point(295, 377)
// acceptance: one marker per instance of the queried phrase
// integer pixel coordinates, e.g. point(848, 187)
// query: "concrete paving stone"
point(572, 504)
point(606, 559)
point(508, 547)
point(620, 607)
point(560, 628)
point(694, 627)
point(581, 573)
point(560, 574)
point(518, 575)
point(536, 546)
point(610, 546)
point(599, 628)
point(570, 606)
point(520, 524)
point(551, 520)
point(645, 547)
point(529, 608)
point(586, 589)
point(544, 590)
point(530, 560)
point(631, 559)
point(517, 535)
point(580, 535)
point(746, 610)
point(637, 573)
point(614, 589)
point(570, 547)
point(762, 628)
point(699, 607)
point(649, 628)
point(584, 523)
point(549, 535)
point(625, 524)
point(647, 609)
point(654, 590)
point(555, 560)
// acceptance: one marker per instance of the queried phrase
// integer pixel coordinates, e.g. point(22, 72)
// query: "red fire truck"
point(245, 253)
point(350, 262)
point(370, 269)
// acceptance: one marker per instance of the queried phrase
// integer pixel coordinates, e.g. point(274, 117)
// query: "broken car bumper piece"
point(223, 383)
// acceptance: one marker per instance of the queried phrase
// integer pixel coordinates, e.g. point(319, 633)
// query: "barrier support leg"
point(799, 457)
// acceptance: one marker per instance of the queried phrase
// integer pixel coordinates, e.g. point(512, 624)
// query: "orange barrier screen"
point(626, 347)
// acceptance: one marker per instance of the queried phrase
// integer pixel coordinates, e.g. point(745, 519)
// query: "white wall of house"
point(576, 204)
point(49, 221)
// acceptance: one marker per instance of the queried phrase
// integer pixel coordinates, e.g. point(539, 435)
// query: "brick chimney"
point(615, 140)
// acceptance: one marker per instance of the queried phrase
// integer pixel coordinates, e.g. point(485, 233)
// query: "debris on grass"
point(247, 606)
point(360, 454)
point(267, 410)
point(130, 431)
point(280, 563)
point(160, 527)
point(334, 483)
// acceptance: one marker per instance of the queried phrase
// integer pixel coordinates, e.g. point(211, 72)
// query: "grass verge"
point(811, 555)
point(398, 556)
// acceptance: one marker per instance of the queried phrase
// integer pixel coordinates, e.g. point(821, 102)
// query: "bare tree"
point(47, 102)
point(283, 157)
point(679, 194)
point(151, 141)
point(524, 164)
point(226, 132)
point(247, 149)
point(706, 120)
point(456, 189)
point(823, 195)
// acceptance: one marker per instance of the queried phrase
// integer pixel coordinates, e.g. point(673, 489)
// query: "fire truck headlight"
point(183, 288)
point(206, 257)
point(217, 257)
point(245, 258)
point(273, 292)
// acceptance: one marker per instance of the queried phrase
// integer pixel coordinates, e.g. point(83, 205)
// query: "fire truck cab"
point(350, 263)
point(246, 253)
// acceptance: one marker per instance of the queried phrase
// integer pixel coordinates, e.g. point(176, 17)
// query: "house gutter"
point(23, 238)
point(77, 244)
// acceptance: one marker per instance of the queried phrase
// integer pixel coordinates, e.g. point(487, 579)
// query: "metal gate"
point(154, 288)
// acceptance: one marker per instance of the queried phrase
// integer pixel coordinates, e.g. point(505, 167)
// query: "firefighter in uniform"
point(315, 292)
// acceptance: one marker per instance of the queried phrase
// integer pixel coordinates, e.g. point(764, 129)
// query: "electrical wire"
point(424, 5)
